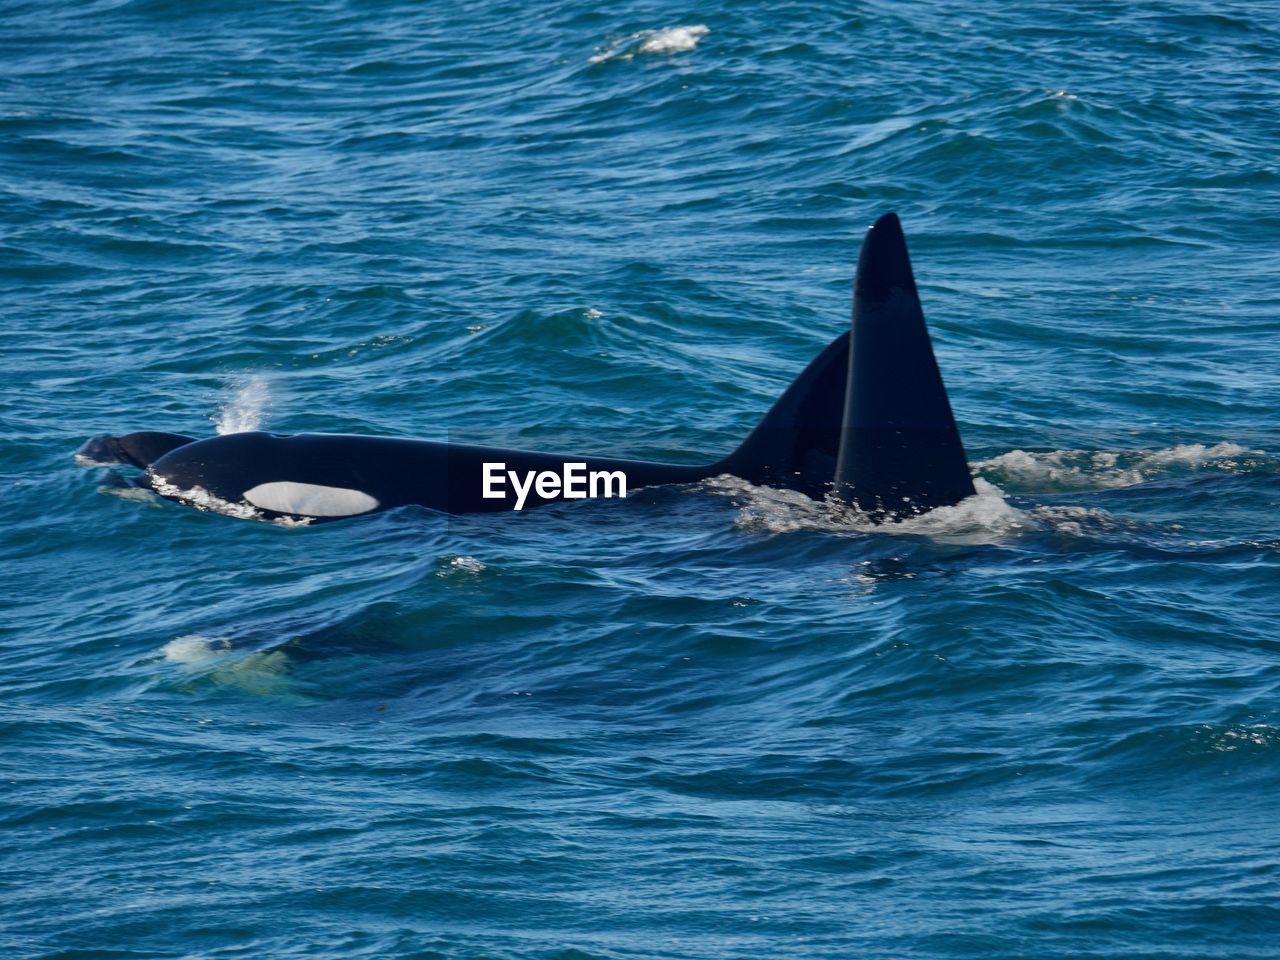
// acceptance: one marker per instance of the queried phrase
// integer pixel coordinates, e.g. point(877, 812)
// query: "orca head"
point(259, 476)
point(133, 449)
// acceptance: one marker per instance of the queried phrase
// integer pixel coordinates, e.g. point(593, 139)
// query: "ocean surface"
point(706, 722)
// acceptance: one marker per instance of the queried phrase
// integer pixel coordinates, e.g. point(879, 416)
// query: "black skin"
point(867, 423)
point(441, 476)
point(794, 446)
point(133, 449)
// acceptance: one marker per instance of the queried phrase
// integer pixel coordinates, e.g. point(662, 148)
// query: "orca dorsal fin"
point(796, 444)
point(900, 450)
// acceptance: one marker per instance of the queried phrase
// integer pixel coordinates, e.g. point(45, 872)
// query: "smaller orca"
point(866, 423)
point(133, 449)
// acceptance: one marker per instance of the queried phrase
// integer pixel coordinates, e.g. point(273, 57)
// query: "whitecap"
point(667, 40)
point(453, 565)
point(1238, 736)
point(1105, 469)
point(674, 39)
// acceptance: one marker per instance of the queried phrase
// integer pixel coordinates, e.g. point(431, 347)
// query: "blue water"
point(708, 722)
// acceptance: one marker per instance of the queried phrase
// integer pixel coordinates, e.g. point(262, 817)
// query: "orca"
point(133, 449)
point(867, 424)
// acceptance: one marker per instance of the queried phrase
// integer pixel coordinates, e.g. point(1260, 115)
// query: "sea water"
point(711, 721)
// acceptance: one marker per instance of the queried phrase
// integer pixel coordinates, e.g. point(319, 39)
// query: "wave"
point(1070, 470)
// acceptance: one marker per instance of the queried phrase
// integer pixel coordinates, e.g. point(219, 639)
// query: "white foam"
point(1239, 736)
point(310, 499)
point(293, 521)
point(983, 518)
point(1102, 469)
point(449, 566)
point(1075, 521)
point(244, 412)
point(202, 499)
point(674, 39)
point(1197, 454)
point(667, 40)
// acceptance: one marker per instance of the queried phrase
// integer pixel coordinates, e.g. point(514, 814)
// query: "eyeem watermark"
point(573, 482)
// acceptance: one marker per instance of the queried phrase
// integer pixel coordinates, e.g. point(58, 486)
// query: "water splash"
point(453, 565)
point(1234, 737)
point(195, 648)
point(203, 500)
point(245, 411)
point(1064, 470)
point(985, 517)
point(667, 40)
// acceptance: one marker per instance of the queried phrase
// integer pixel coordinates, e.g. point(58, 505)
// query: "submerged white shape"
point(310, 499)
point(130, 493)
point(264, 673)
point(261, 673)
